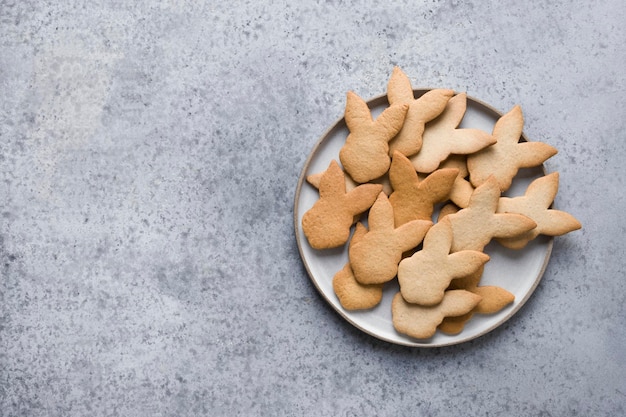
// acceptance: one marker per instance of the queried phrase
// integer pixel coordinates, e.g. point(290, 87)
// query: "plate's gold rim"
point(340, 123)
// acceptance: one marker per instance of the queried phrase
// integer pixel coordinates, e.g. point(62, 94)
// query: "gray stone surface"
point(149, 155)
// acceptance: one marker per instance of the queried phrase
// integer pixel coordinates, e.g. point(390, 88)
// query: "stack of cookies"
point(380, 199)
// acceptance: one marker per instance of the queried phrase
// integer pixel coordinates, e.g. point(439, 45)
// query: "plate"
point(517, 271)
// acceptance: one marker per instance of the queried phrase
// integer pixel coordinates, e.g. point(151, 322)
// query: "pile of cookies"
point(413, 162)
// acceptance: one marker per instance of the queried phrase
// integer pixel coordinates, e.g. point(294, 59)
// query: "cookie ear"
point(493, 300)
point(362, 197)
point(432, 103)
point(439, 183)
point(460, 262)
point(391, 120)
point(535, 153)
point(381, 214)
point(509, 127)
point(559, 223)
point(402, 174)
point(357, 113)
point(399, 87)
point(332, 183)
point(455, 108)
point(512, 224)
point(487, 195)
point(543, 190)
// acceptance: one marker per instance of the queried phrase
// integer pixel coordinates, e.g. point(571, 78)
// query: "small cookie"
point(535, 203)
point(351, 294)
point(442, 137)
point(421, 110)
point(421, 322)
point(327, 224)
point(424, 276)
point(413, 199)
point(375, 257)
point(474, 226)
point(503, 159)
point(365, 155)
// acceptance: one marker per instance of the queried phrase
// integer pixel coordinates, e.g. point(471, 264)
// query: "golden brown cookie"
point(425, 275)
point(442, 137)
point(474, 226)
point(503, 159)
point(421, 110)
point(535, 204)
point(421, 322)
point(375, 258)
point(365, 155)
point(327, 224)
point(413, 199)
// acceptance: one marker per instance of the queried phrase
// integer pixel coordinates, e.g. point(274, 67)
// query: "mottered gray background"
point(149, 156)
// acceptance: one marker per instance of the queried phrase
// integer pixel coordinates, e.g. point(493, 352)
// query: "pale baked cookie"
point(351, 294)
point(365, 155)
point(474, 226)
point(442, 137)
point(503, 159)
point(421, 110)
point(425, 275)
point(413, 199)
point(535, 204)
point(375, 257)
point(421, 322)
point(327, 224)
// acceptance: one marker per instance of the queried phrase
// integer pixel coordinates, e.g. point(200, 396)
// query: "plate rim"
point(375, 101)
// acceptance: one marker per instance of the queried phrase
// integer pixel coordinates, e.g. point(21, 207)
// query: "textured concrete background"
point(149, 154)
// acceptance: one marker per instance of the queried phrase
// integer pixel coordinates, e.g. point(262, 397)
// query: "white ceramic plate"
point(517, 271)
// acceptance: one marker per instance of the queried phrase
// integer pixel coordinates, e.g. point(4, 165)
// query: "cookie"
point(476, 225)
point(327, 224)
point(365, 155)
point(535, 204)
point(442, 137)
point(421, 322)
point(503, 159)
point(375, 257)
point(413, 199)
point(351, 294)
point(425, 275)
point(421, 110)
